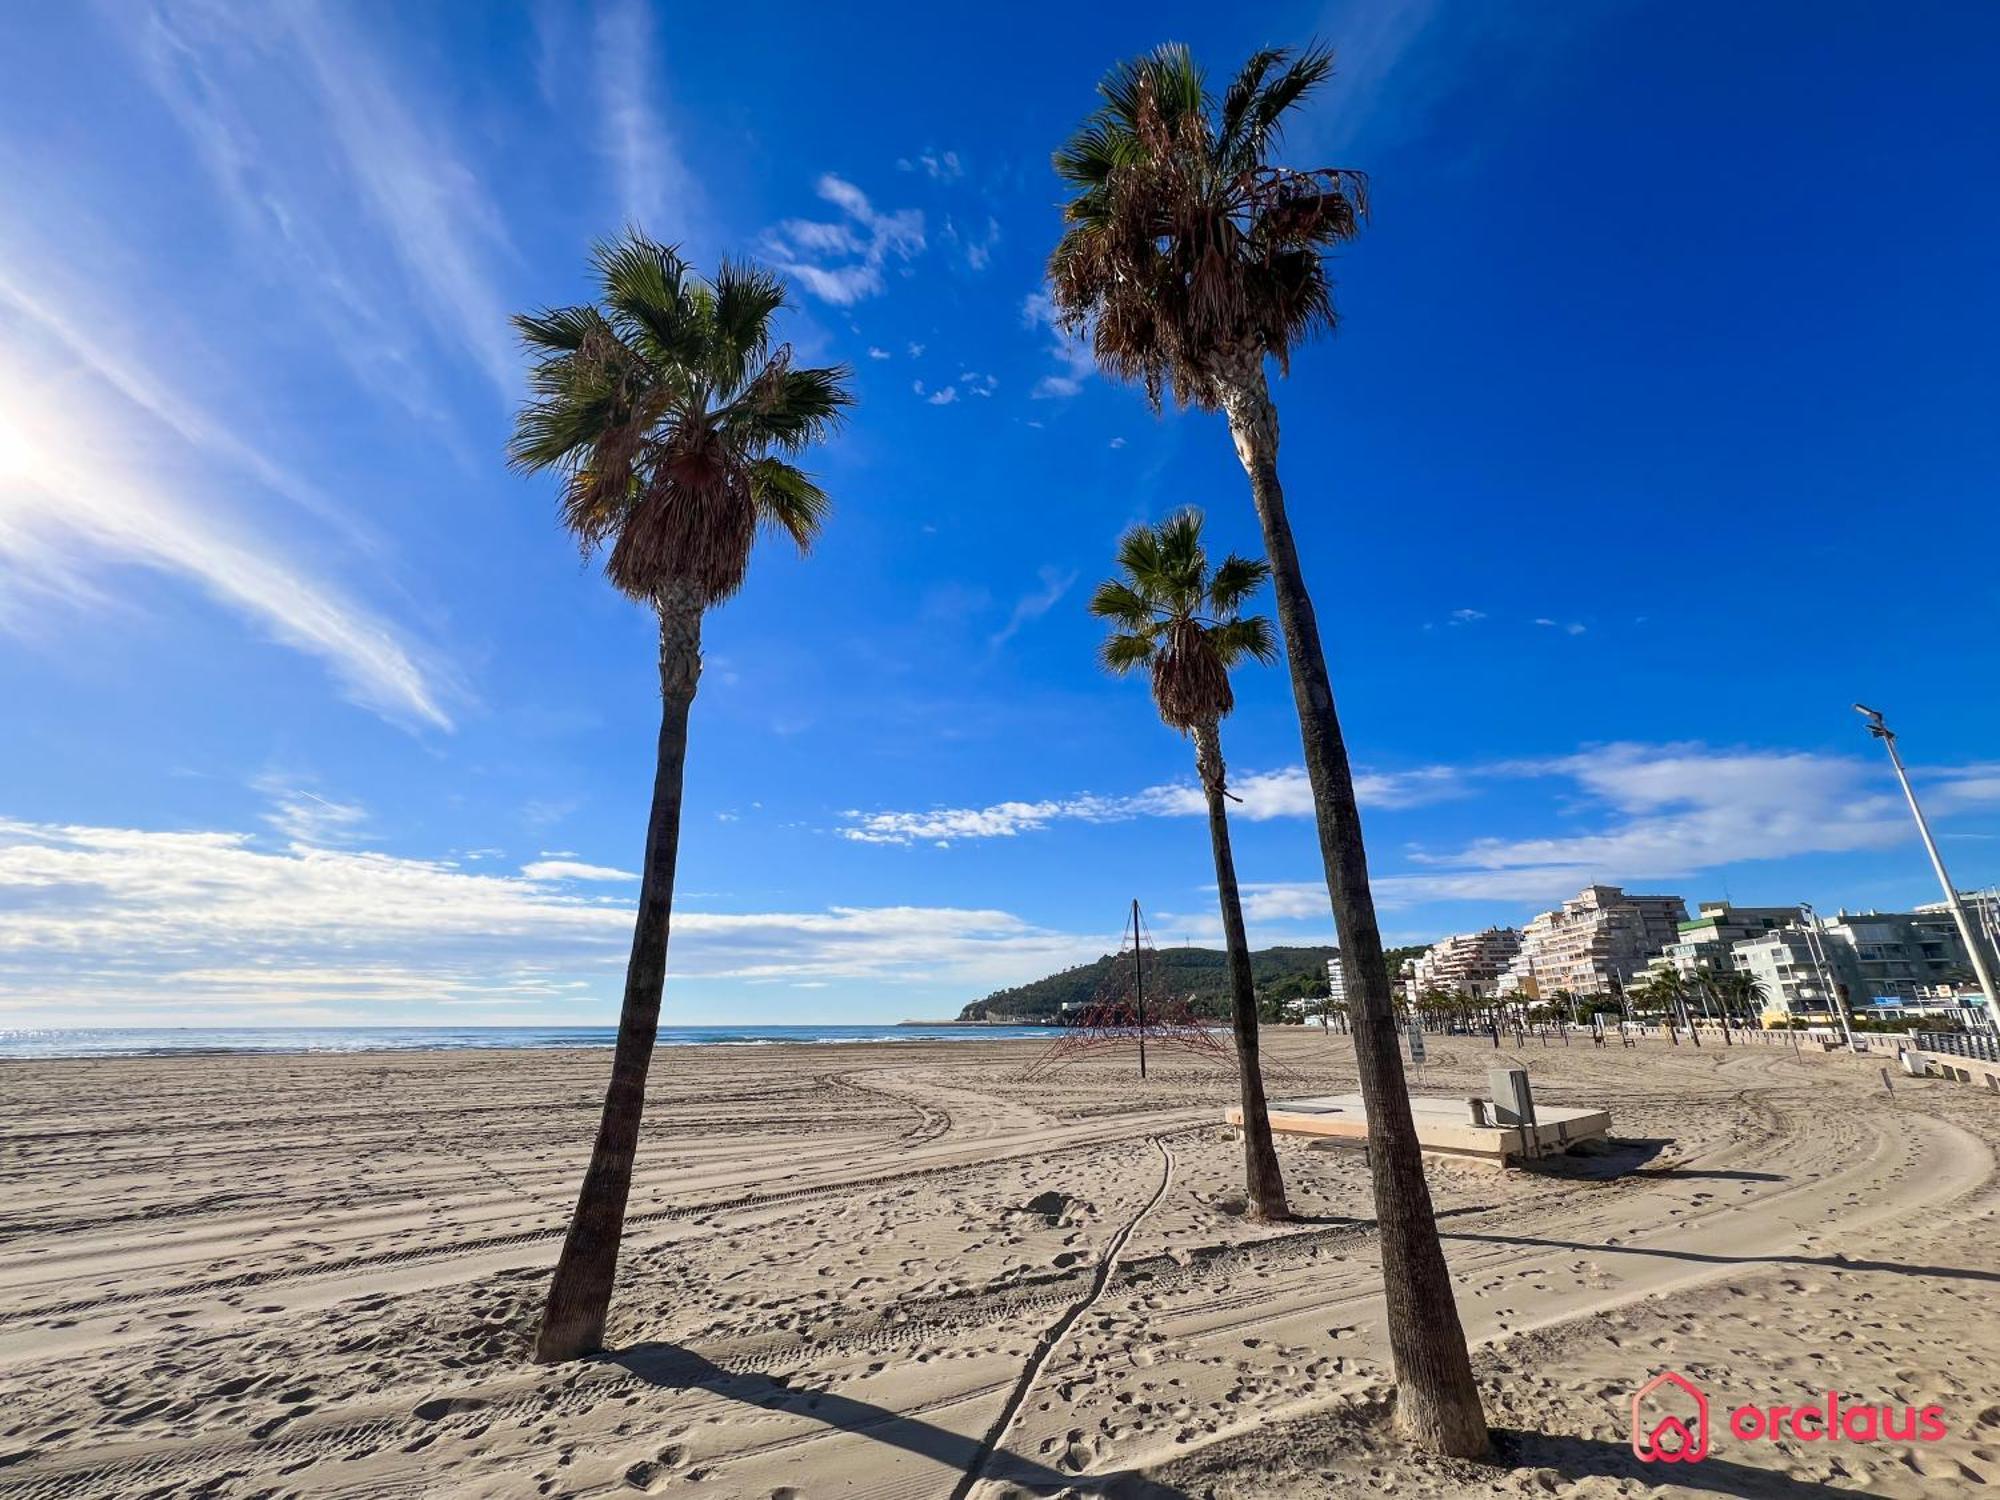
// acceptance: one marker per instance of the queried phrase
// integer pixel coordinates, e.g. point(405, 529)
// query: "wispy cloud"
point(110, 924)
point(1262, 795)
point(1070, 351)
point(77, 496)
point(303, 816)
point(573, 869)
point(1662, 813)
point(262, 94)
point(1032, 606)
point(976, 246)
point(939, 166)
point(841, 261)
point(655, 188)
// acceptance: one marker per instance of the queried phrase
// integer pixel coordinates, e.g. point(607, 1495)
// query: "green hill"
point(1197, 974)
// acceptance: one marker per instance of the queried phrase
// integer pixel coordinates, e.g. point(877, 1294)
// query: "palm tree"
point(1184, 624)
point(1191, 259)
point(1750, 992)
point(670, 418)
point(1668, 989)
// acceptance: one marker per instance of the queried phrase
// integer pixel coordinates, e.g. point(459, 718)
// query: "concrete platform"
point(1444, 1126)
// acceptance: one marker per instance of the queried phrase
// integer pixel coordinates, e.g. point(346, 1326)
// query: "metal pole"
point(1973, 950)
point(1139, 985)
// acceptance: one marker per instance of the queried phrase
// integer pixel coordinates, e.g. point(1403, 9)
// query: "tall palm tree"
point(671, 419)
point(1192, 258)
point(1184, 624)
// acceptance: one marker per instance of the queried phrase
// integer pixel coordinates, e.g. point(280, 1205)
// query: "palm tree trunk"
point(580, 1292)
point(1438, 1403)
point(1264, 1183)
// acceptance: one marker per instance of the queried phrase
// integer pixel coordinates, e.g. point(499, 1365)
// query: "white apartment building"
point(1594, 944)
point(1466, 962)
point(1336, 982)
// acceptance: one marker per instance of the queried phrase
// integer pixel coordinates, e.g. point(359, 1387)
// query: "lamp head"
point(1876, 727)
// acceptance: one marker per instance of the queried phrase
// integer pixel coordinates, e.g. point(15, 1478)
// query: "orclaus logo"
point(1660, 1436)
point(1664, 1432)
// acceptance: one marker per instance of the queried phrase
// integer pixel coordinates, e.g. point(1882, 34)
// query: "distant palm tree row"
point(1193, 262)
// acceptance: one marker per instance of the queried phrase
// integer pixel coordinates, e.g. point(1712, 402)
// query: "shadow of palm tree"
point(671, 1367)
point(1579, 1458)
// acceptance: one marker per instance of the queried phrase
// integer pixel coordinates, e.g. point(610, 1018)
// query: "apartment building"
point(1704, 945)
point(1782, 961)
point(1466, 962)
point(1899, 954)
point(1593, 944)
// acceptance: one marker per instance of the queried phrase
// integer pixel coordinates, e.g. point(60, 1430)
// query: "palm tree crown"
point(1171, 614)
point(671, 417)
point(1186, 251)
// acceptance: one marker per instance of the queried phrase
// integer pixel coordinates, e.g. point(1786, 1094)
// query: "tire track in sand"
point(1049, 1342)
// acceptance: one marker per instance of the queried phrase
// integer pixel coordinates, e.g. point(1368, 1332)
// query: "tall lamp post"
point(1973, 947)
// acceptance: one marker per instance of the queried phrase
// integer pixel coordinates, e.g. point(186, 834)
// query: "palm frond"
point(1119, 602)
point(1235, 580)
point(1262, 119)
point(1248, 637)
point(1122, 653)
point(746, 299)
point(787, 408)
point(787, 498)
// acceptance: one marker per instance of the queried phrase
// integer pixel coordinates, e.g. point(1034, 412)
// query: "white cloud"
point(1071, 351)
point(977, 248)
point(656, 189)
point(76, 497)
point(305, 817)
point(571, 869)
point(916, 351)
point(1263, 795)
point(842, 261)
point(107, 925)
point(1467, 616)
point(939, 166)
point(1055, 583)
point(943, 397)
point(313, 144)
point(875, 353)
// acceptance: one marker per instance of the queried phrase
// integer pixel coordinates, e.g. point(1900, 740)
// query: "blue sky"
point(1658, 430)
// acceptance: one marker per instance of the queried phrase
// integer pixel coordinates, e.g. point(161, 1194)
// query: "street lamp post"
point(1887, 736)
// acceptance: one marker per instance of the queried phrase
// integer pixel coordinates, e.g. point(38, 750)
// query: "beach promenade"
point(896, 1271)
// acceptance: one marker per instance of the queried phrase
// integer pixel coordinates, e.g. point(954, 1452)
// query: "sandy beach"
point(898, 1271)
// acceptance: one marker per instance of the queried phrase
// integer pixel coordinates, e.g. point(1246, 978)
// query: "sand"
point(896, 1271)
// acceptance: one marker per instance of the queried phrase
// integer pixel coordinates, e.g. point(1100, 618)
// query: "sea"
point(169, 1041)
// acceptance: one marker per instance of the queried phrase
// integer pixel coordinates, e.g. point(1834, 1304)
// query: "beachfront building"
point(1705, 945)
point(1593, 944)
point(1468, 963)
point(1782, 961)
point(1336, 984)
point(1982, 913)
point(1898, 954)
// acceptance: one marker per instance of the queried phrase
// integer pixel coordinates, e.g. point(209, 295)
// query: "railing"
point(1983, 1046)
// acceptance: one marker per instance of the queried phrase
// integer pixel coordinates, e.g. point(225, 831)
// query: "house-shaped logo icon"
point(1660, 1435)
